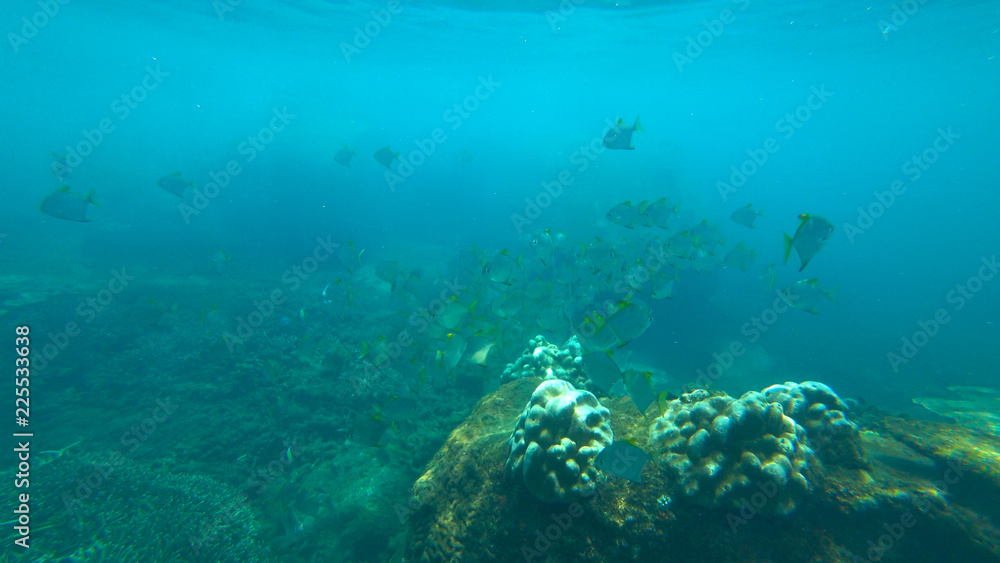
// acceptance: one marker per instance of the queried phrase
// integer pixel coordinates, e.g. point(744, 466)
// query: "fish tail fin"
point(788, 247)
point(93, 200)
point(831, 294)
point(637, 126)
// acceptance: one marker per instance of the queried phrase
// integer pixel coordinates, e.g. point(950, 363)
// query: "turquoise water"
point(880, 117)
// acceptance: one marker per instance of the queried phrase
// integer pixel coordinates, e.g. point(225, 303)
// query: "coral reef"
point(895, 510)
point(821, 412)
point(548, 361)
point(111, 508)
point(720, 450)
point(556, 440)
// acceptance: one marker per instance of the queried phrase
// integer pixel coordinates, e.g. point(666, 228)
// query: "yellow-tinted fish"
point(806, 295)
point(620, 136)
point(64, 204)
point(344, 156)
point(624, 214)
point(385, 156)
point(746, 215)
point(175, 184)
point(623, 459)
point(741, 257)
point(812, 234)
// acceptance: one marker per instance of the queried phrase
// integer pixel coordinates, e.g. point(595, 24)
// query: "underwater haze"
point(198, 209)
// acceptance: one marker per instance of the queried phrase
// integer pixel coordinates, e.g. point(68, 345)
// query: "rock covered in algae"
point(556, 440)
point(824, 416)
point(548, 361)
point(464, 509)
point(719, 450)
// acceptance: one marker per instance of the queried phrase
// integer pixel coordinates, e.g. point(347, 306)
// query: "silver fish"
point(620, 136)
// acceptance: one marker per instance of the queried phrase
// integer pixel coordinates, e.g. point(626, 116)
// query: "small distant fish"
point(812, 234)
point(502, 267)
point(885, 29)
point(385, 156)
point(344, 156)
point(350, 257)
point(768, 276)
point(656, 213)
point(388, 271)
point(620, 136)
point(48, 456)
point(175, 184)
point(368, 432)
point(624, 214)
point(543, 246)
point(806, 295)
point(746, 215)
point(220, 261)
point(741, 257)
point(623, 459)
point(663, 286)
point(680, 244)
point(64, 204)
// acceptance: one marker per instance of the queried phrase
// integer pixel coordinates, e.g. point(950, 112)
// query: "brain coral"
point(545, 360)
point(720, 450)
point(821, 412)
point(554, 443)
